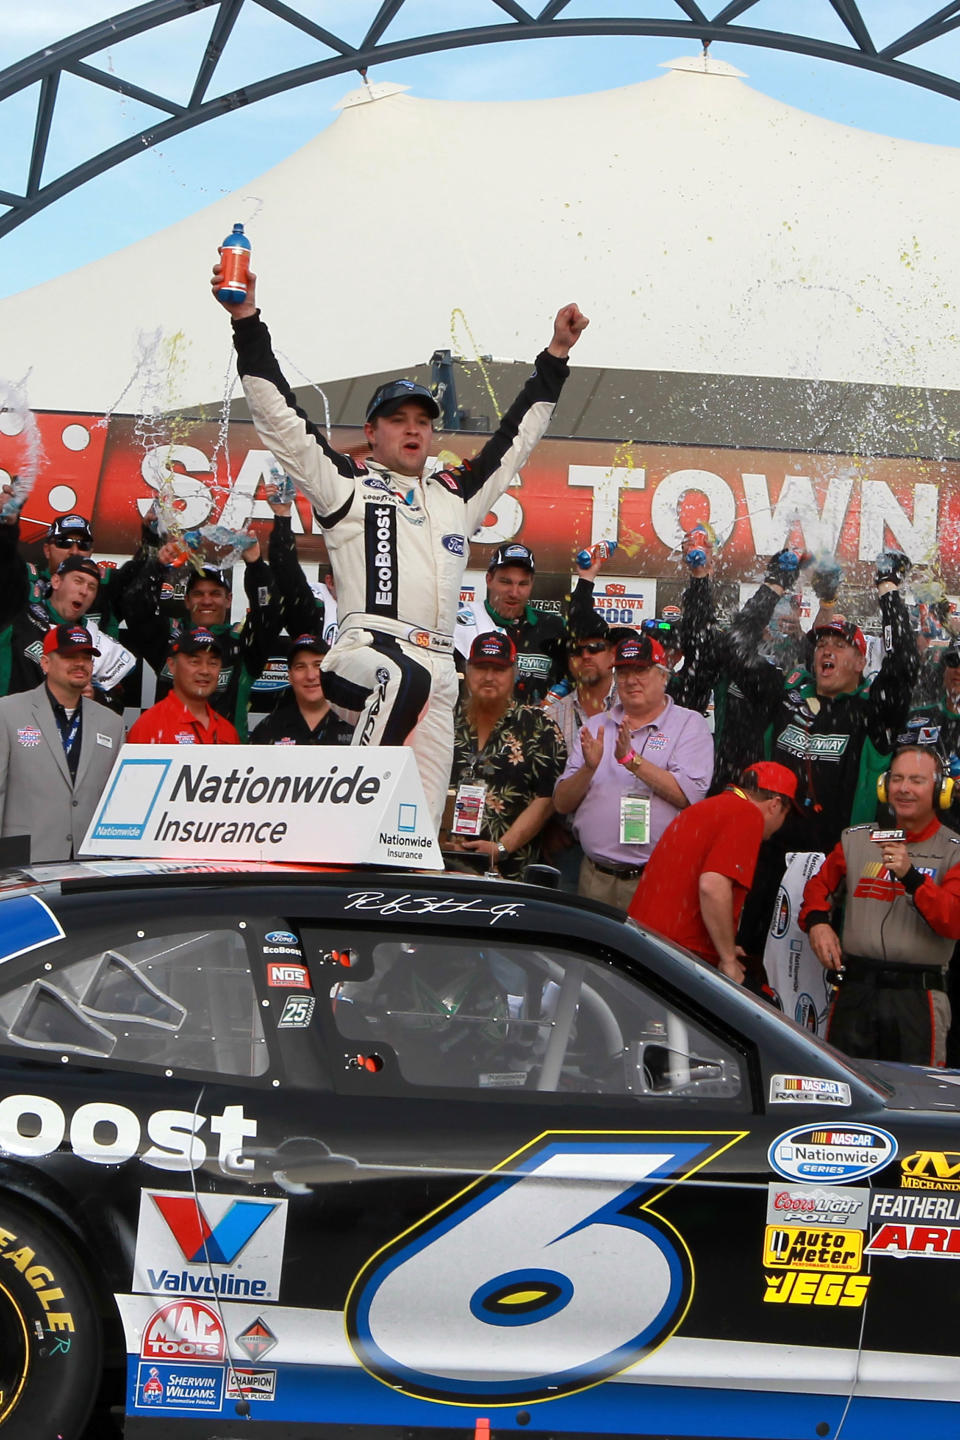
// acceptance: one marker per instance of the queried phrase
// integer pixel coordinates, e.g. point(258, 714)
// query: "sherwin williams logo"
point(221, 1243)
point(211, 1246)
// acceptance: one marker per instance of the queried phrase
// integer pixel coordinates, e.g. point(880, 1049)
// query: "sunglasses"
point(84, 546)
point(590, 647)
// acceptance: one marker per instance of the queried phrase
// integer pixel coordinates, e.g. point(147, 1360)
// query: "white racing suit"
point(398, 548)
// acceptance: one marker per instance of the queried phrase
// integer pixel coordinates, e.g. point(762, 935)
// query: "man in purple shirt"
point(631, 770)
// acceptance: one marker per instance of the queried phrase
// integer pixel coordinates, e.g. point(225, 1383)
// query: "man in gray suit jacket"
point(57, 749)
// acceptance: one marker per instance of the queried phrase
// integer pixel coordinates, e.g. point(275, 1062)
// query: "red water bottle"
point(235, 261)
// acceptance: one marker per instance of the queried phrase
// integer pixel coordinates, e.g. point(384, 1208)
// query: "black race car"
point(294, 1153)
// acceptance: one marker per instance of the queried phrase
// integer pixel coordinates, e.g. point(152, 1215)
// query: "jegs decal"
point(519, 1270)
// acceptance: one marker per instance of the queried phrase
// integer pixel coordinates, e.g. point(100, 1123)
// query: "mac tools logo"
point(214, 1245)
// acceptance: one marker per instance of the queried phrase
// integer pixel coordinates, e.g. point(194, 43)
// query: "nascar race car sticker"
point(520, 1267)
point(223, 1246)
point(838, 1154)
point(817, 1205)
point(807, 1090)
point(931, 1170)
point(105, 1133)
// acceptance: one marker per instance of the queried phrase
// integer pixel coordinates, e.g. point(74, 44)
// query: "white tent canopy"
point(702, 226)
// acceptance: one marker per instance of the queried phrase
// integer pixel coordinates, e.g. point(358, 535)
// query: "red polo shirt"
point(722, 835)
point(169, 722)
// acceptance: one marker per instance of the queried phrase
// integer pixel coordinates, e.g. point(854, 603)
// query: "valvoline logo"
point(281, 937)
point(453, 543)
point(222, 1243)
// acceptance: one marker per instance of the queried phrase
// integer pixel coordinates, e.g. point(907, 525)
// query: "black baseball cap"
point(587, 627)
point(309, 641)
point(209, 572)
point(83, 563)
point(390, 396)
point(70, 527)
point(192, 642)
point(512, 554)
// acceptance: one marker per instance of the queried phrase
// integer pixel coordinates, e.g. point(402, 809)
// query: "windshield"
point(863, 1070)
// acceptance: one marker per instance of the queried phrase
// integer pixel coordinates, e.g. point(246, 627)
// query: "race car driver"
point(397, 534)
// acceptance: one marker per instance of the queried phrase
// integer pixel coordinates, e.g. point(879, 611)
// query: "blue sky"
point(163, 185)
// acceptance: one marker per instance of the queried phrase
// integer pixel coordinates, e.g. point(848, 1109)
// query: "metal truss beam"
point(509, 21)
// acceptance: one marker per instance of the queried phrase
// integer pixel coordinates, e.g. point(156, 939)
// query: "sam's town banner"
point(572, 492)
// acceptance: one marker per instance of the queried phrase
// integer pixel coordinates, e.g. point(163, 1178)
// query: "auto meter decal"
point(838, 1153)
point(520, 1268)
point(213, 1245)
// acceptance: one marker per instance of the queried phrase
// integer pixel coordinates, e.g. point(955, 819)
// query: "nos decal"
point(514, 1280)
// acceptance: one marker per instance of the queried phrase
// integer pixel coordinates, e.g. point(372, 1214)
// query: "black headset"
point(943, 784)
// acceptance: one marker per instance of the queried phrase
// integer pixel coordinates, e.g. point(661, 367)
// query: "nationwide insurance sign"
point(335, 804)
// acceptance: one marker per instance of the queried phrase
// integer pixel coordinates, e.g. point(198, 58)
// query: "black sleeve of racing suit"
point(543, 387)
point(581, 606)
point(702, 644)
point(300, 610)
point(148, 631)
point(760, 682)
point(14, 577)
point(262, 625)
point(889, 697)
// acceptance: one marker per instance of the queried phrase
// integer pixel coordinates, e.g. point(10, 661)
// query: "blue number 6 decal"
point(546, 1277)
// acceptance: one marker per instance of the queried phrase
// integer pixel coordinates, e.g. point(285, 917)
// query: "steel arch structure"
point(509, 21)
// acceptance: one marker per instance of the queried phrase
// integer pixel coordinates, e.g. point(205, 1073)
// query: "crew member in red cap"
point(697, 878)
point(184, 717)
point(632, 768)
point(398, 527)
point(507, 758)
point(57, 749)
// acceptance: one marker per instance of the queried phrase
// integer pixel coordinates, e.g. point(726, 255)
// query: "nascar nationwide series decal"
point(519, 1270)
point(836, 1153)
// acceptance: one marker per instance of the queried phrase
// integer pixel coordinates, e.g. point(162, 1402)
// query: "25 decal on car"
point(512, 1281)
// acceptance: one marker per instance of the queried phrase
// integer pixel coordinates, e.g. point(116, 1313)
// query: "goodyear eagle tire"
point(50, 1334)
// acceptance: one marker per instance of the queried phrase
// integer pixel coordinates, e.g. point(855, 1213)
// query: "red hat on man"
point(847, 630)
point(69, 640)
point(639, 652)
point(776, 778)
point(493, 648)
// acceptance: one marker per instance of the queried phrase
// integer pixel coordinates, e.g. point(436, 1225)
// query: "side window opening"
point(185, 1001)
point(525, 1017)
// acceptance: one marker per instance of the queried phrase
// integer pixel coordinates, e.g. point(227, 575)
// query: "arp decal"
point(215, 1245)
point(835, 1153)
point(935, 1242)
point(520, 1269)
